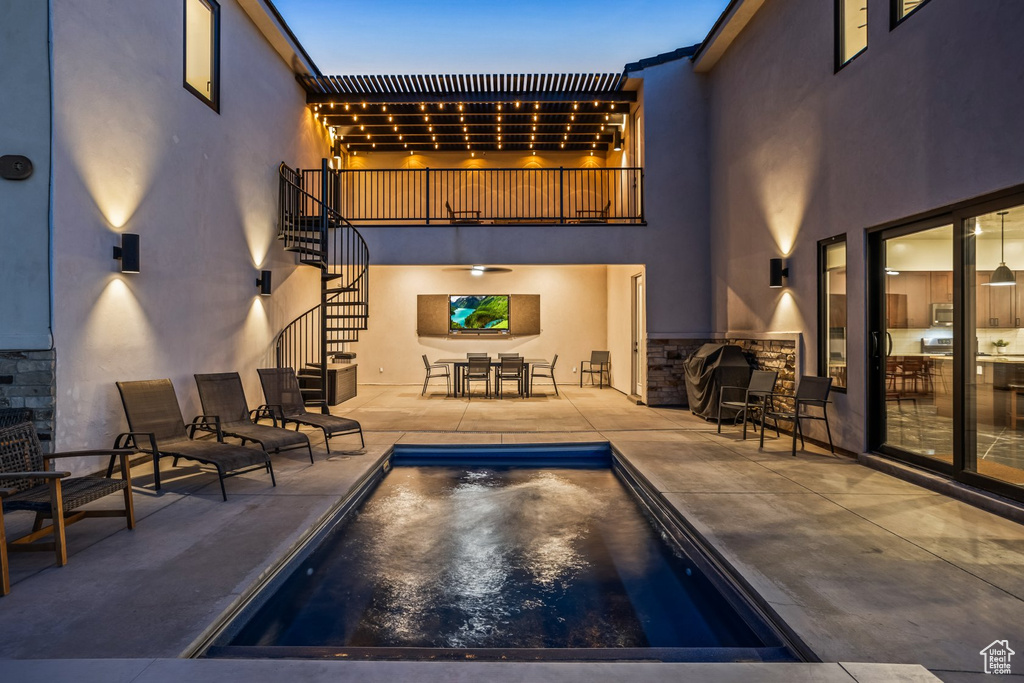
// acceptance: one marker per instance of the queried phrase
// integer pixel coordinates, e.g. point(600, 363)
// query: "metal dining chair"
point(436, 370)
point(479, 370)
point(755, 397)
point(811, 393)
point(511, 368)
point(544, 370)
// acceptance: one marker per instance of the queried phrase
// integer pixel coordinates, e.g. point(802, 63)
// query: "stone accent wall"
point(27, 380)
point(666, 358)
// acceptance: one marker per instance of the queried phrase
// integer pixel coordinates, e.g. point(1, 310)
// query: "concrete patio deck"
point(864, 567)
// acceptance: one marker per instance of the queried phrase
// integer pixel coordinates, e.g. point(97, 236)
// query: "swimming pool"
point(500, 553)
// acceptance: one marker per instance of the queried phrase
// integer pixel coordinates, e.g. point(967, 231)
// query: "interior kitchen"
point(919, 320)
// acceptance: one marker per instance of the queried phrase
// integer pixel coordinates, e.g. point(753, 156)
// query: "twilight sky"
point(493, 36)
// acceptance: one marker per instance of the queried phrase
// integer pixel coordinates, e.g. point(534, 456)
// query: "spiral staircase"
point(309, 226)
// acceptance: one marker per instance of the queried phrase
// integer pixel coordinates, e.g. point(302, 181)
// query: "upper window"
point(202, 50)
point(901, 9)
point(851, 29)
point(832, 310)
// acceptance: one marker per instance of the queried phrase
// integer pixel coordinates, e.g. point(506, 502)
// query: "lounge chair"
point(26, 484)
point(281, 390)
point(156, 427)
point(222, 395)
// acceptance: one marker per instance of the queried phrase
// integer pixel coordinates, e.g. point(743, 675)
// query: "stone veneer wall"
point(666, 359)
point(27, 381)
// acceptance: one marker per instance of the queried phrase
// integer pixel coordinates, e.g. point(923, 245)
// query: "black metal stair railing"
point(309, 226)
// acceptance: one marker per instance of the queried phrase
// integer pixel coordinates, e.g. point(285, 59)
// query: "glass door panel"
point(918, 344)
point(995, 388)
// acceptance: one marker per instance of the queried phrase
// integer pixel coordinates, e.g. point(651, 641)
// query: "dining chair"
point(479, 370)
point(544, 370)
point(811, 393)
point(511, 368)
point(755, 397)
point(436, 370)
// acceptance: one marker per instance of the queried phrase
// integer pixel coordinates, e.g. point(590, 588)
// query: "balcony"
point(490, 196)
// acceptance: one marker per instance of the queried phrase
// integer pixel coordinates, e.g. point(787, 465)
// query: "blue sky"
point(491, 36)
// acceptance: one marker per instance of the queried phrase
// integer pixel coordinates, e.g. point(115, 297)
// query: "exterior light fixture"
point(364, 105)
point(1002, 276)
point(477, 270)
point(776, 273)
point(346, 107)
point(128, 253)
point(263, 282)
point(616, 140)
point(517, 104)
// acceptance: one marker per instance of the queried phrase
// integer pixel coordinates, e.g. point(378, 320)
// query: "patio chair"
point(544, 370)
point(281, 390)
point(599, 363)
point(222, 395)
point(812, 393)
point(27, 484)
point(511, 368)
point(755, 397)
point(156, 427)
point(478, 370)
point(595, 215)
point(436, 370)
point(463, 217)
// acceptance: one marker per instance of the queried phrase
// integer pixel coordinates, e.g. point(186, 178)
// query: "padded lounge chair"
point(222, 395)
point(281, 389)
point(157, 428)
point(26, 484)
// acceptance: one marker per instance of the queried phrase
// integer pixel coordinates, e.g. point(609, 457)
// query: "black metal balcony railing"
point(491, 195)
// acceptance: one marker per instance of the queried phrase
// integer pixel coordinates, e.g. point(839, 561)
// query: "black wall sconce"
point(776, 273)
point(264, 283)
point(616, 140)
point(128, 253)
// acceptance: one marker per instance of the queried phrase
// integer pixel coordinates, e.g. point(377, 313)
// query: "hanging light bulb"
point(1002, 276)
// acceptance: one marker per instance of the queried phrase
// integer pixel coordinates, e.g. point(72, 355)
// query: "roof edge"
point(664, 57)
point(730, 23)
point(280, 36)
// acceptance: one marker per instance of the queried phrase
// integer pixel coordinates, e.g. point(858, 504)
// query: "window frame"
point(213, 102)
point(894, 12)
point(837, 6)
point(824, 329)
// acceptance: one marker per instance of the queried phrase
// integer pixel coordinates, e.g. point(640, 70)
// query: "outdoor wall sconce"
point(776, 273)
point(128, 253)
point(263, 282)
point(617, 140)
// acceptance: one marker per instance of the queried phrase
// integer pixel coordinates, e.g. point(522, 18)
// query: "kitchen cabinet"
point(919, 310)
point(994, 305)
point(1018, 299)
point(940, 284)
point(895, 311)
point(836, 310)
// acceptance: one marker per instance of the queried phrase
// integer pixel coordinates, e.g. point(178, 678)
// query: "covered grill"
point(707, 371)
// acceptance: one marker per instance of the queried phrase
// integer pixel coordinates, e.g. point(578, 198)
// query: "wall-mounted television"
point(478, 313)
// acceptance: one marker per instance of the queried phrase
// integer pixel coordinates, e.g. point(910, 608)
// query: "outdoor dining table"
point(460, 365)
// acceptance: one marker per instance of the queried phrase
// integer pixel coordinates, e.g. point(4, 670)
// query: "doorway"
point(637, 342)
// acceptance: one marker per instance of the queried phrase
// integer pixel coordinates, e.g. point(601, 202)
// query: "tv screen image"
point(478, 312)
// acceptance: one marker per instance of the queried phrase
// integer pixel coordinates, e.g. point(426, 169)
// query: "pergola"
point(472, 112)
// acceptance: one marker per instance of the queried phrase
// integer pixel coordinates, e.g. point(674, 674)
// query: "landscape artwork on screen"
point(478, 312)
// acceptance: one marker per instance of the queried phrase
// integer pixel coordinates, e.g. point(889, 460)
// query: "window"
point(851, 30)
point(901, 9)
point(832, 310)
point(202, 50)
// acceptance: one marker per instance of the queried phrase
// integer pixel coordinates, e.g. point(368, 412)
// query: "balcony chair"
point(599, 363)
point(511, 368)
point(755, 398)
point(595, 215)
point(281, 389)
point(436, 370)
point(460, 217)
point(27, 484)
point(222, 395)
point(478, 370)
point(544, 370)
point(156, 427)
point(812, 393)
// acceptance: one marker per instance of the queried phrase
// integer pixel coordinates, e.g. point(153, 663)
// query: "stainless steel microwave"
point(942, 315)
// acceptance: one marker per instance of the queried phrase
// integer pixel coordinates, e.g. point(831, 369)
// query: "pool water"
point(496, 557)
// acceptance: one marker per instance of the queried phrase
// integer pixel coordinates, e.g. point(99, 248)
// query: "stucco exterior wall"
point(24, 217)
point(136, 152)
point(927, 116)
point(673, 245)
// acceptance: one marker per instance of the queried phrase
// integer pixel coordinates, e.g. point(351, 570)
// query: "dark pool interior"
point(479, 555)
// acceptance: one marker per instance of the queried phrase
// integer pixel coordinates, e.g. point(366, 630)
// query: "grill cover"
point(707, 371)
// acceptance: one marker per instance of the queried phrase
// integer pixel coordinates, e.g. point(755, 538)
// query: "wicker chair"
point(157, 427)
point(222, 395)
point(281, 389)
point(26, 484)
point(544, 370)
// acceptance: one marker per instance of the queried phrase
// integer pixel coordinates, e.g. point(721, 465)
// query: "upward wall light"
point(776, 272)
point(128, 253)
point(617, 140)
point(263, 282)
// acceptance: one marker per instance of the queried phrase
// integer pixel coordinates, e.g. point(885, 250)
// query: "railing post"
point(426, 195)
point(561, 194)
point(641, 197)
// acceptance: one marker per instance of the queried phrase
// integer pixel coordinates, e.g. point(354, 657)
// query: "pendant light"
point(1002, 276)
